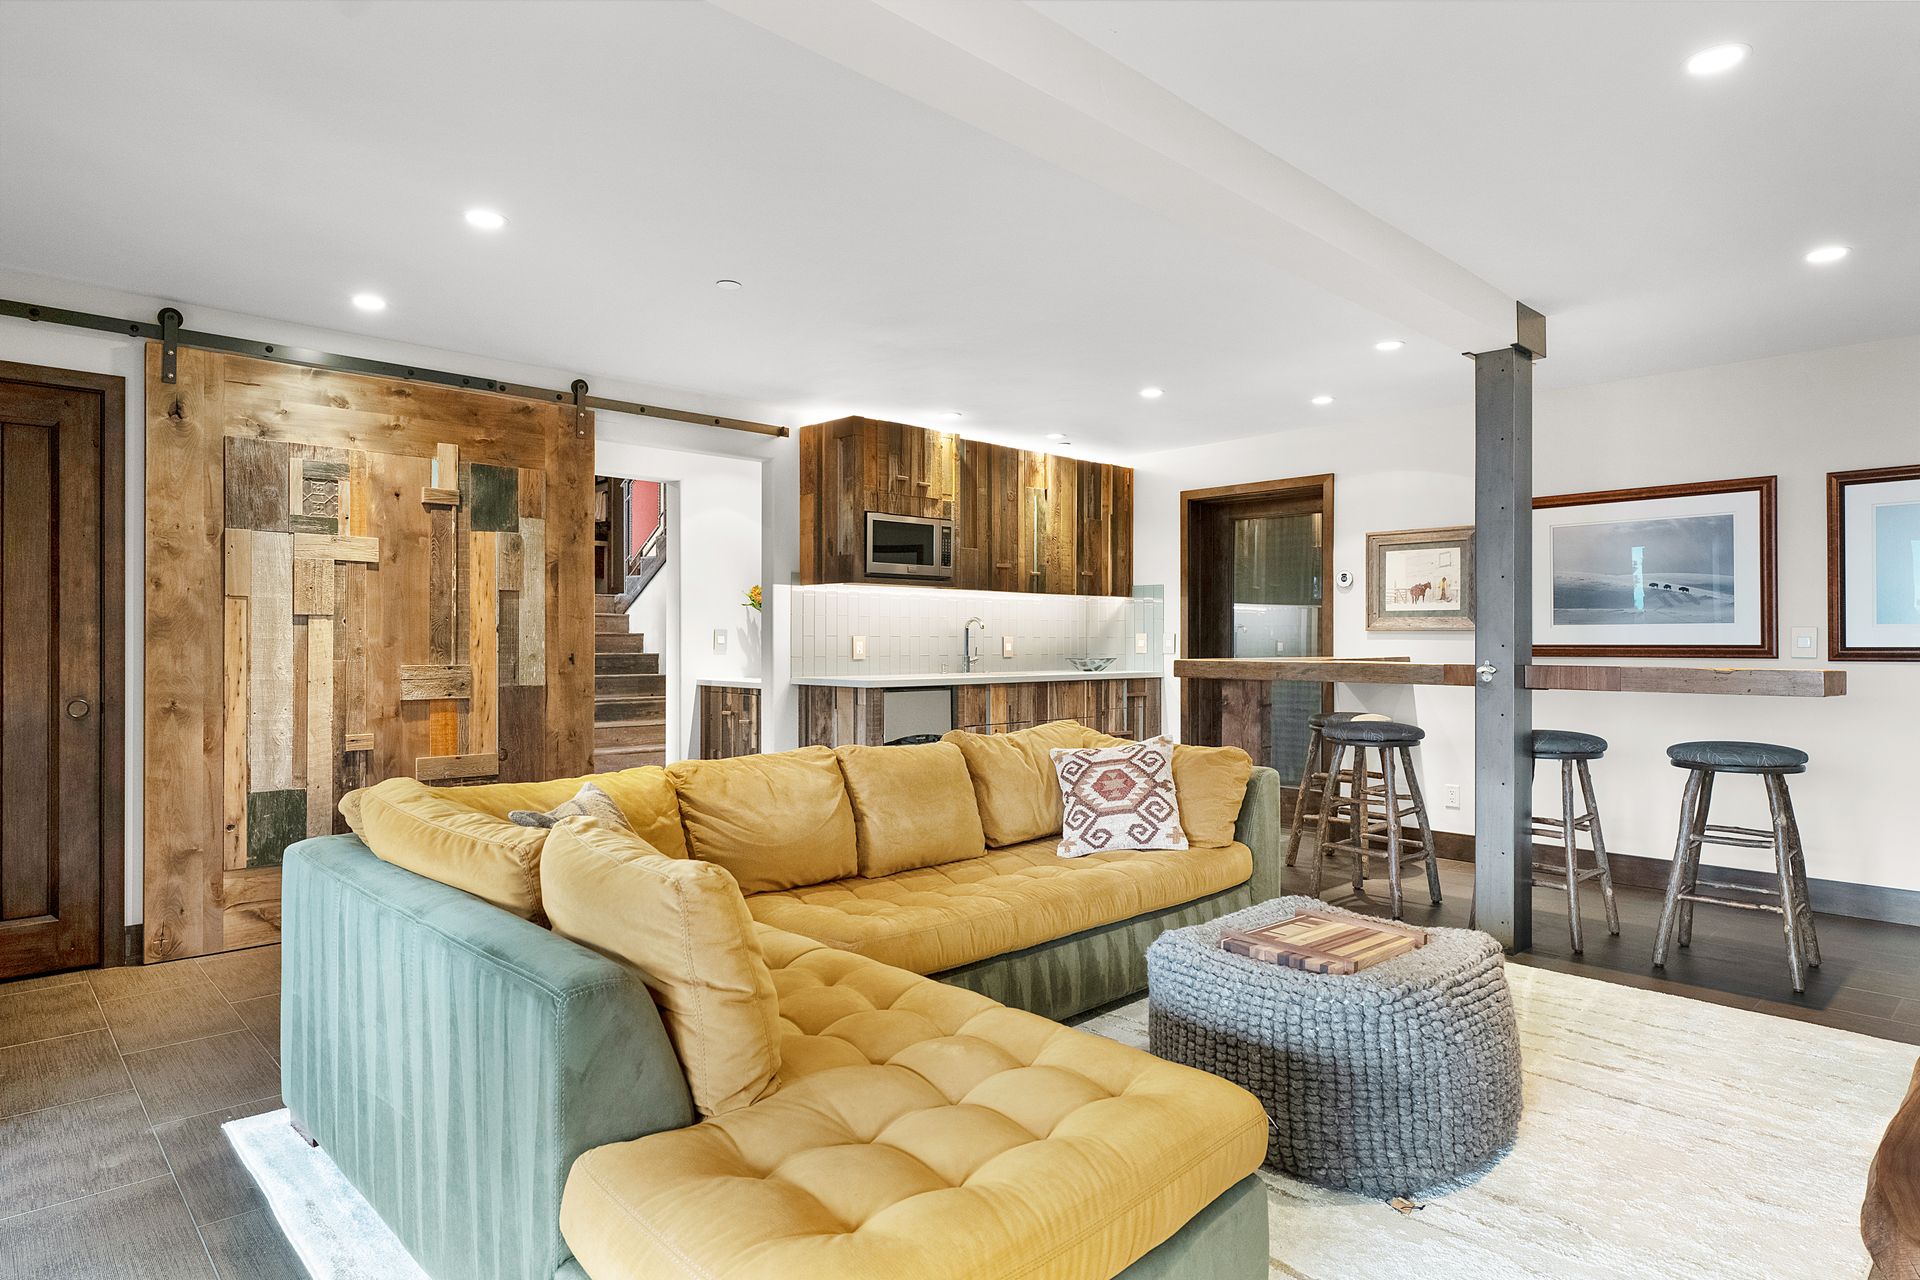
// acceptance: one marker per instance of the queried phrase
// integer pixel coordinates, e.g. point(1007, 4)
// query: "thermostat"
point(1343, 580)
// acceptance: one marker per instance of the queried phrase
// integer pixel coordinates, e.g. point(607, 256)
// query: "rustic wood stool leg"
point(1328, 796)
point(1316, 751)
point(1569, 840)
point(1696, 844)
point(1362, 818)
point(1789, 894)
point(1676, 878)
point(1811, 944)
point(1392, 810)
point(1599, 850)
point(1419, 799)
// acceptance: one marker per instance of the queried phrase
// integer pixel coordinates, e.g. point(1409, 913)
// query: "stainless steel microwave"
point(908, 546)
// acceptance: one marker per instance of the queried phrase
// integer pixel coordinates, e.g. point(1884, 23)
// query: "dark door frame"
point(1200, 700)
point(112, 712)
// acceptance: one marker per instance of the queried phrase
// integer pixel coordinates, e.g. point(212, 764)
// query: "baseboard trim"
point(135, 946)
point(1831, 897)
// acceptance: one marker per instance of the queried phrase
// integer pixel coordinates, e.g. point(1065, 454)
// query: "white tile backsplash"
point(918, 632)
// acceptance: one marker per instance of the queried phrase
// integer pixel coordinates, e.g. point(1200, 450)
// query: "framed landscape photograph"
point(1420, 580)
point(1873, 565)
point(1682, 570)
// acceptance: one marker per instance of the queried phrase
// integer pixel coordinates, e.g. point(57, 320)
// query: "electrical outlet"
point(1006, 646)
point(719, 639)
point(1139, 642)
point(1453, 795)
point(1279, 646)
point(859, 648)
point(1173, 642)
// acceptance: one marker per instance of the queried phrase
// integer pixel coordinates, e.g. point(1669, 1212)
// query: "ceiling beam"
point(1004, 68)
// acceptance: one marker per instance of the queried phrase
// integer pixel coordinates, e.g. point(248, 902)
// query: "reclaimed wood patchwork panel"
point(349, 579)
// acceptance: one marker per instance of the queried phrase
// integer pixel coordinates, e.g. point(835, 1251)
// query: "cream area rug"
point(1663, 1139)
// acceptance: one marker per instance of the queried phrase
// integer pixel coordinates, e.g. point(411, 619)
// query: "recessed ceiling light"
point(1828, 253)
point(948, 416)
point(485, 219)
point(1151, 393)
point(1391, 344)
point(1722, 57)
point(1056, 435)
point(726, 284)
point(1323, 400)
point(369, 302)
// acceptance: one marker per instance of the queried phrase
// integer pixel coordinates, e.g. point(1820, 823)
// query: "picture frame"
point(1420, 579)
point(1873, 565)
point(1663, 571)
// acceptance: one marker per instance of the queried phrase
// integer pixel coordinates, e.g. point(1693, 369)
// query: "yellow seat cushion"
point(644, 795)
point(424, 830)
point(683, 924)
point(933, 919)
point(912, 806)
point(1210, 784)
point(774, 821)
point(919, 1131)
point(1014, 784)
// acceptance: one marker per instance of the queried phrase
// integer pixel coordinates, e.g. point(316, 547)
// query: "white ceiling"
point(274, 159)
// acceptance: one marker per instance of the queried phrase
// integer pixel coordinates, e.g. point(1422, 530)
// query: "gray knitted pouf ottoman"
point(1396, 1079)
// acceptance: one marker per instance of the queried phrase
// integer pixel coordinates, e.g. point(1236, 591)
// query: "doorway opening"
point(1256, 562)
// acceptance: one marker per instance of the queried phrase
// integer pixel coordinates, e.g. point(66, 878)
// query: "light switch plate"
point(1139, 642)
point(859, 648)
point(719, 639)
point(1806, 643)
point(1173, 642)
point(1006, 646)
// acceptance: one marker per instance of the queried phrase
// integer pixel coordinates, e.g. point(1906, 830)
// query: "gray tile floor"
point(113, 1086)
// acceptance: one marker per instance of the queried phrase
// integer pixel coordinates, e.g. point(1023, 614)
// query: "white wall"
point(25, 342)
point(1797, 417)
point(713, 556)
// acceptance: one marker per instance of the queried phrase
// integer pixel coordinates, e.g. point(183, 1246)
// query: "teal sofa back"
point(453, 1060)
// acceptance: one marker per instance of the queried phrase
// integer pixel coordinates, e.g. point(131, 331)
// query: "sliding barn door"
point(59, 828)
point(349, 579)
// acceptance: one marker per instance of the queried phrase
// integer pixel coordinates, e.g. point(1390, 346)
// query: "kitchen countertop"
point(941, 680)
point(738, 682)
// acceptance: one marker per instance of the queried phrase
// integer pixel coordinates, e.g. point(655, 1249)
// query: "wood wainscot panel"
point(729, 721)
point(332, 562)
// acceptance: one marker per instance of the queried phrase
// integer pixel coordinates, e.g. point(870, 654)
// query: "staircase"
point(629, 694)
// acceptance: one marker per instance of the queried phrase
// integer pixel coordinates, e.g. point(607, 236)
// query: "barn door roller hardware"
point(167, 332)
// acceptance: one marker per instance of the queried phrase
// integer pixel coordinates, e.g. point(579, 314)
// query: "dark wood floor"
point(1869, 980)
point(113, 1086)
point(114, 1083)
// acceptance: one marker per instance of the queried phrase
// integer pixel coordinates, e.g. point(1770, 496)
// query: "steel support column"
point(1503, 638)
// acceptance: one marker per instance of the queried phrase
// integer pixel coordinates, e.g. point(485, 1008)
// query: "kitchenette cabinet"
point(841, 712)
point(1022, 521)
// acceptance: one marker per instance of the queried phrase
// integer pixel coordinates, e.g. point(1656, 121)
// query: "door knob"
point(77, 709)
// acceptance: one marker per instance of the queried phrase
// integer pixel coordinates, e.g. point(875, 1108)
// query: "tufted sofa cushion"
point(932, 919)
point(919, 1131)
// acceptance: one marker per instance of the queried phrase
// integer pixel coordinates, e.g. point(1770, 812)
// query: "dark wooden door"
point(59, 517)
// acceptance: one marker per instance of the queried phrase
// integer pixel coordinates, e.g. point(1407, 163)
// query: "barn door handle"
point(78, 708)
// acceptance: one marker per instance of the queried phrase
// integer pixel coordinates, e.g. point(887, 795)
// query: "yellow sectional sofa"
point(600, 1100)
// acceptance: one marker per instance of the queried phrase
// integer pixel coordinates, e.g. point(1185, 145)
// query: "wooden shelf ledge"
point(1771, 682)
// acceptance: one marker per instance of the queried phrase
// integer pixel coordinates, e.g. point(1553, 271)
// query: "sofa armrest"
point(1258, 828)
point(454, 1060)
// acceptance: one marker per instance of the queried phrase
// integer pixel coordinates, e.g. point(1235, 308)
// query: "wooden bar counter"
point(1775, 682)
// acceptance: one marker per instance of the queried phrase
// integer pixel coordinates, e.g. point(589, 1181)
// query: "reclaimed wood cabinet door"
point(59, 670)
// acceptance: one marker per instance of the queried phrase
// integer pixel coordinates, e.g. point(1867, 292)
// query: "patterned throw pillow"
point(1118, 798)
point(588, 802)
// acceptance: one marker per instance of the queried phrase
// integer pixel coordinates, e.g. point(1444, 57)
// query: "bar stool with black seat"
point(1574, 751)
point(1313, 778)
point(1772, 764)
point(1373, 814)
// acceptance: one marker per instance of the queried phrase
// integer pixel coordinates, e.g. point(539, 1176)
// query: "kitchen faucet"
point(968, 658)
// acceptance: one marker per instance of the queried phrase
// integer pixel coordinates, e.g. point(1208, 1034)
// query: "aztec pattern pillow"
point(1118, 798)
point(588, 802)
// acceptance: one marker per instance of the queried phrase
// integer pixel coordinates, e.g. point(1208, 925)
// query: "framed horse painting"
point(1420, 580)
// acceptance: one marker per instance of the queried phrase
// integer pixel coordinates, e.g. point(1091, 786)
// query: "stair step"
point(619, 710)
point(611, 623)
point(609, 759)
point(602, 600)
point(630, 733)
point(625, 663)
point(619, 642)
point(637, 685)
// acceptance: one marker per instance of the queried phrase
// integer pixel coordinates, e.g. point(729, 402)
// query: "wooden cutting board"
point(1324, 943)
